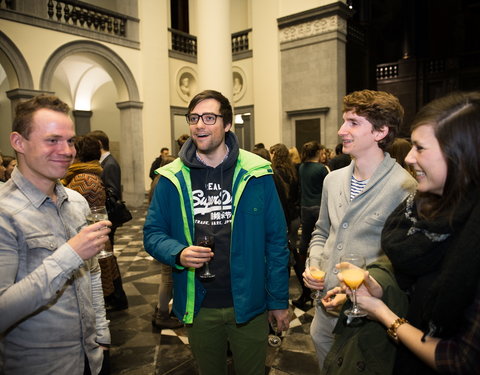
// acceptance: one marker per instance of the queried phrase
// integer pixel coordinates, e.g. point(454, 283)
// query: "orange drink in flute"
point(353, 277)
point(315, 267)
point(352, 267)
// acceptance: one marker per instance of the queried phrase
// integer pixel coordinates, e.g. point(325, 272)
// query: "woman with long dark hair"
point(433, 242)
point(283, 166)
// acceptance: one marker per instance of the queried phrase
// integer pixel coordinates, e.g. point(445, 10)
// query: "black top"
point(112, 176)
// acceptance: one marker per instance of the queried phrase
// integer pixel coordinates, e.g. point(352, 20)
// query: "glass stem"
point(354, 293)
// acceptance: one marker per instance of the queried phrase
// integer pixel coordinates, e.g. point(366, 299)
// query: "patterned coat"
point(85, 178)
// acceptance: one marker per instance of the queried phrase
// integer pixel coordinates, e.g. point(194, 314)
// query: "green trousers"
point(213, 328)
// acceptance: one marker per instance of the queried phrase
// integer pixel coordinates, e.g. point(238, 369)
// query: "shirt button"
point(335, 271)
point(339, 246)
point(361, 366)
point(345, 225)
point(339, 361)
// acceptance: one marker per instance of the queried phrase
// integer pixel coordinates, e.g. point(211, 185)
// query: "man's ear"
point(382, 133)
point(227, 127)
point(16, 140)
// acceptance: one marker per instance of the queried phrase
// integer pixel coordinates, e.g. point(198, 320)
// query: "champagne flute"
point(97, 214)
point(353, 277)
point(206, 241)
point(316, 268)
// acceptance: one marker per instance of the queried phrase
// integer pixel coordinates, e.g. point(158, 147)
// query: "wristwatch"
point(392, 330)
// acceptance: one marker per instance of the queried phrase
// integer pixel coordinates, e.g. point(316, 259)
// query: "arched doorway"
point(101, 85)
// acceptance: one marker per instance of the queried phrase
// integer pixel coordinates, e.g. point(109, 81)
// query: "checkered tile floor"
point(139, 348)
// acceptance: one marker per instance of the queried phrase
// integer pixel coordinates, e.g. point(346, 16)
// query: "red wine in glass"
point(206, 241)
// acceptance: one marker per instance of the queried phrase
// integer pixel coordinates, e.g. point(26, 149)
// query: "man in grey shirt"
point(356, 200)
point(53, 318)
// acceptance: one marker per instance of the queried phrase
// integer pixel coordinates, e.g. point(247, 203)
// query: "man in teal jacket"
point(216, 189)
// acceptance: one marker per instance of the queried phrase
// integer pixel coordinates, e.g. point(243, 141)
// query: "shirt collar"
point(33, 194)
point(104, 156)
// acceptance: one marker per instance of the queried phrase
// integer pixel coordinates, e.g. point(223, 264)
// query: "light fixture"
point(238, 119)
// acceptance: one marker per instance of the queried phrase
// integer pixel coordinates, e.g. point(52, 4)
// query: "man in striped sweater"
point(357, 199)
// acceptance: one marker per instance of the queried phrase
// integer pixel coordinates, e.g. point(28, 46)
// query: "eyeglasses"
point(207, 118)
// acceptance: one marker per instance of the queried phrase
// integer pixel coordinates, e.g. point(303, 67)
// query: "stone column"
point(214, 50)
point(313, 58)
point(82, 121)
point(131, 152)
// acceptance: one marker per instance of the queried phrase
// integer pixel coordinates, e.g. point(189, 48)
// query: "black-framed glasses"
point(207, 118)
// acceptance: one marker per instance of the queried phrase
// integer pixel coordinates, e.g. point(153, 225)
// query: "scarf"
point(92, 167)
point(449, 249)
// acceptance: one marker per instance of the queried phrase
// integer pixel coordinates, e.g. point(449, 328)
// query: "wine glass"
point(316, 267)
point(353, 277)
point(274, 337)
point(97, 214)
point(206, 241)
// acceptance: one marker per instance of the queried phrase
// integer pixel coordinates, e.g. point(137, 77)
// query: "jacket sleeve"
point(276, 252)
point(163, 235)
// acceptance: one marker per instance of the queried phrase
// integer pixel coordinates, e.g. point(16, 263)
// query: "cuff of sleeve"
point(67, 258)
point(103, 337)
point(178, 264)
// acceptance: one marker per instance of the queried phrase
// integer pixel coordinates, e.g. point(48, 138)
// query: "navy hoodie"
point(212, 207)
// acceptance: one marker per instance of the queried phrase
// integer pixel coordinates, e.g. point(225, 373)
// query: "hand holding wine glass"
point(352, 268)
point(90, 239)
point(99, 213)
point(206, 241)
point(316, 269)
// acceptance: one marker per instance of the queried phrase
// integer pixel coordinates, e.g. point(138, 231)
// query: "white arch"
point(100, 63)
point(104, 56)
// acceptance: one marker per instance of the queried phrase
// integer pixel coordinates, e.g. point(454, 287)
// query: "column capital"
point(129, 104)
point(19, 93)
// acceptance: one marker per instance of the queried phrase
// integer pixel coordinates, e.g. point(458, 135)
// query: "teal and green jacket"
point(258, 250)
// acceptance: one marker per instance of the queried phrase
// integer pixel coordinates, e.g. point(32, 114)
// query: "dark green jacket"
point(364, 347)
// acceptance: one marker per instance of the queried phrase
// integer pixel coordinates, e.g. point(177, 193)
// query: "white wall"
point(288, 7)
point(154, 80)
point(239, 12)
point(106, 115)
point(266, 72)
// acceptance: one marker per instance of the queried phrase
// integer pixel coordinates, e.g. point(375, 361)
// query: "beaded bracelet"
point(392, 330)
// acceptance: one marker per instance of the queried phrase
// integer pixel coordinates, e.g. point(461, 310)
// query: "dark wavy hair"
point(380, 108)
point(88, 148)
point(281, 161)
point(456, 122)
point(225, 106)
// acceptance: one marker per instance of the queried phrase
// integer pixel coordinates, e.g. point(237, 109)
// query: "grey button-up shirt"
point(51, 301)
